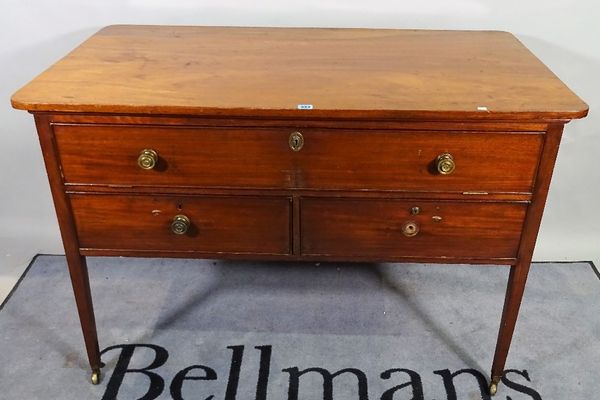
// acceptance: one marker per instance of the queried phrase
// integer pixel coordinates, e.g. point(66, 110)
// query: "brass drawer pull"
point(296, 141)
point(147, 159)
point(445, 164)
point(180, 224)
point(410, 229)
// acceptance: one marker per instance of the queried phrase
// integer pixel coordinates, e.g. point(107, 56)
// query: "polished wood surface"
point(334, 122)
point(520, 270)
point(446, 228)
point(361, 73)
point(75, 261)
point(218, 224)
point(406, 160)
point(330, 158)
point(219, 104)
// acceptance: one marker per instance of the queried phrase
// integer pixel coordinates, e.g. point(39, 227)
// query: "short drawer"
point(185, 156)
point(330, 159)
point(408, 160)
point(244, 225)
point(393, 229)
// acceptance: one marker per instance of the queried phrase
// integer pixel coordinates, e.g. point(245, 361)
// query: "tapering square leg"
point(512, 303)
point(83, 298)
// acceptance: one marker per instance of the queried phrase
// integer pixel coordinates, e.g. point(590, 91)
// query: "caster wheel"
point(493, 388)
point(95, 377)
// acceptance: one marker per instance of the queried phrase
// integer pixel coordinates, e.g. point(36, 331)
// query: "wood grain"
point(218, 104)
point(359, 73)
point(330, 159)
point(76, 263)
point(520, 270)
point(374, 228)
point(331, 122)
point(219, 224)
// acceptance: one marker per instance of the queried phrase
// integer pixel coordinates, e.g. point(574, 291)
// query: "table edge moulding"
point(262, 143)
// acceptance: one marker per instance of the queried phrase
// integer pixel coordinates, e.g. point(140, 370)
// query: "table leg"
point(75, 261)
point(512, 303)
point(83, 297)
point(519, 271)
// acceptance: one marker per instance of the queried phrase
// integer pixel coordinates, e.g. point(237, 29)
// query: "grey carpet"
point(430, 320)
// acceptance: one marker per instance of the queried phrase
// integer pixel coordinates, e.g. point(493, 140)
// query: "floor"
point(15, 259)
point(17, 250)
point(209, 329)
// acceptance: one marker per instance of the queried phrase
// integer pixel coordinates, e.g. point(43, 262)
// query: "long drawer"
point(391, 229)
point(218, 224)
point(328, 159)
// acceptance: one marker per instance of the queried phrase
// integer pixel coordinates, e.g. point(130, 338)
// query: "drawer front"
point(204, 157)
point(217, 224)
point(484, 161)
point(387, 229)
point(329, 159)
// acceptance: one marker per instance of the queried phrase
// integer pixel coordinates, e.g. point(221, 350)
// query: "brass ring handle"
point(445, 164)
point(410, 229)
point(296, 141)
point(147, 159)
point(180, 224)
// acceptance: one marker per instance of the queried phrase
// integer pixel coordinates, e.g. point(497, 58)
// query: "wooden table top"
point(345, 73)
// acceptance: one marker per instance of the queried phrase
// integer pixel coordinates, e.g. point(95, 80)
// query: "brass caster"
point(493, 388)
point(95, 377)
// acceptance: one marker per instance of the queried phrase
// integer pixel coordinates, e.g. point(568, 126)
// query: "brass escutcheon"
point(410, 229)
point(296, 141)
point(147, 159)
point(445, 164)
point(180, 224)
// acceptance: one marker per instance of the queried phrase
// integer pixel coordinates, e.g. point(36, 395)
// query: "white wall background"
point(564, 34)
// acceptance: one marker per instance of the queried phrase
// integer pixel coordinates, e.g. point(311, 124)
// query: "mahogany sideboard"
point(300, 144)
